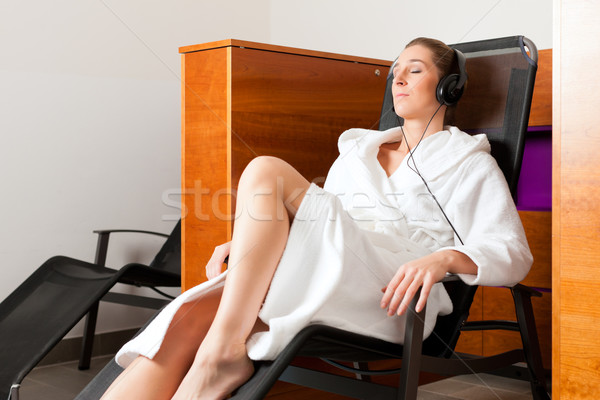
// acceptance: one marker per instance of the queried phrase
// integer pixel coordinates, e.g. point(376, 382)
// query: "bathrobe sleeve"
point(486, 218)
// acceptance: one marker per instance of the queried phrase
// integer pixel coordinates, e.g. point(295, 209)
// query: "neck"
point(416, 129)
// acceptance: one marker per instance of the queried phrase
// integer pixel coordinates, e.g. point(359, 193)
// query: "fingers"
point(213, 269)
point(421, 273)
point(401, 290)
point(425, 290)
point(403, 298)
point(215, 264)
point(390, 289)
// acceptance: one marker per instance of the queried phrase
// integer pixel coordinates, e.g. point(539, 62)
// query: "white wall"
point(90, 104)
point(90, 125)
point(381, 28)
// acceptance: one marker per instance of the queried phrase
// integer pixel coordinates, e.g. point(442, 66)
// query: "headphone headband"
point(450, 87)
point(462, 69)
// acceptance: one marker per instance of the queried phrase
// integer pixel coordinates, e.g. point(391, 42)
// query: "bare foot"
point(215, 374)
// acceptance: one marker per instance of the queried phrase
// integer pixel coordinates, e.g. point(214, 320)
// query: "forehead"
point(416, 53)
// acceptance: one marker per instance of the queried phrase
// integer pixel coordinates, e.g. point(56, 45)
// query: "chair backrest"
point(169, 256)
point(496, 101)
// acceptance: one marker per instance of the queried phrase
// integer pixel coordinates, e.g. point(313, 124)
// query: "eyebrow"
point(412, 60)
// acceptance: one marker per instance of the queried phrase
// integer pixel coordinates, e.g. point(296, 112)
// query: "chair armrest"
point(522, 300)
point(104, 235)
point(450, 278)
point(525, 290)
point(518, 287)
point(109, 231)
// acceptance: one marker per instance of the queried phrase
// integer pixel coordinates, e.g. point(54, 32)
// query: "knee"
point(262, 169)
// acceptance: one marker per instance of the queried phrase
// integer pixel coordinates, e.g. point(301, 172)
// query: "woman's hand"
point(215, 264)
point(423, 272)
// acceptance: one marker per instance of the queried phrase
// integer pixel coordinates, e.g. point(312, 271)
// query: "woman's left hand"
point(423, 272)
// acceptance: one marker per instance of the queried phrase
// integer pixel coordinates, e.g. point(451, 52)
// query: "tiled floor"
point(65, 381)
point(59, 381)
point(476, 387)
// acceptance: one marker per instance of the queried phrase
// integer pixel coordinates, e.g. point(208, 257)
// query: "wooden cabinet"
point(241, 100)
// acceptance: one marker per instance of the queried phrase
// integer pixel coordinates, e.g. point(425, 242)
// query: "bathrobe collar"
point(435, 155)
point(437, 152)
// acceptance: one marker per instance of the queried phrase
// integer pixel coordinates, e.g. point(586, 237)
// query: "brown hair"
point(445, 62)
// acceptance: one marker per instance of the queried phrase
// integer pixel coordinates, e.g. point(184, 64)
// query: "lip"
point(401, 95)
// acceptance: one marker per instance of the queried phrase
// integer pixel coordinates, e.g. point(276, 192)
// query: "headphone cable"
point(416, 170)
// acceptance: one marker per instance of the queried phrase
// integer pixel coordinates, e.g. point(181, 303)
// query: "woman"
point(301, 255)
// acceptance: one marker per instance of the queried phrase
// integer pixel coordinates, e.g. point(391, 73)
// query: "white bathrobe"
point(348, 239)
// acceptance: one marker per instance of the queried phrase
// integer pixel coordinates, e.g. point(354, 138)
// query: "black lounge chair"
point(44, 308)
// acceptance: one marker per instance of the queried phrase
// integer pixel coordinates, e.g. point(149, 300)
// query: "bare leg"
point(269, 194)
point(159, 378)
point(246, 287)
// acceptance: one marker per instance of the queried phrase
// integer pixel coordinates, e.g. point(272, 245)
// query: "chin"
point(405, 115)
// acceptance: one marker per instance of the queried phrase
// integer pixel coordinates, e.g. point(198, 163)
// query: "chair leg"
point(531, 344)
point(411, 356)
point(88, 337)
point(92, 315)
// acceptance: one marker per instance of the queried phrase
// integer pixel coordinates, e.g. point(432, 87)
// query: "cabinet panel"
point(541, 103)
point(538, 228)
point(243, 100)
point(295, 107)
point(575, 186)
point(204, 155)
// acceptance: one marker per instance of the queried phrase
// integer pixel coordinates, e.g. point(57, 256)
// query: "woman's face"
point(415, 81)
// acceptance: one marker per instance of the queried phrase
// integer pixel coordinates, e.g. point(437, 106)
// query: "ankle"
point(219, 352)
point(221, 338)
point(216, 373)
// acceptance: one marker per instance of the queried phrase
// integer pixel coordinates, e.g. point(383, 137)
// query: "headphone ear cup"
point(445, 88)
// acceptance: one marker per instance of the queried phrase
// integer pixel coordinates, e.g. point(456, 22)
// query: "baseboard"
point(104, 344)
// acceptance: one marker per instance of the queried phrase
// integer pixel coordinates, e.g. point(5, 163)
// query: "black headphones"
point(451, 87)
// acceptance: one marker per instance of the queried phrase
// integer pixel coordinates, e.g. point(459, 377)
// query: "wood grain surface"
point(576, 187)
point(241, 102)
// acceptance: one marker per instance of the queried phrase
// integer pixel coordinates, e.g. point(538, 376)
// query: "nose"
point(398, 80)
